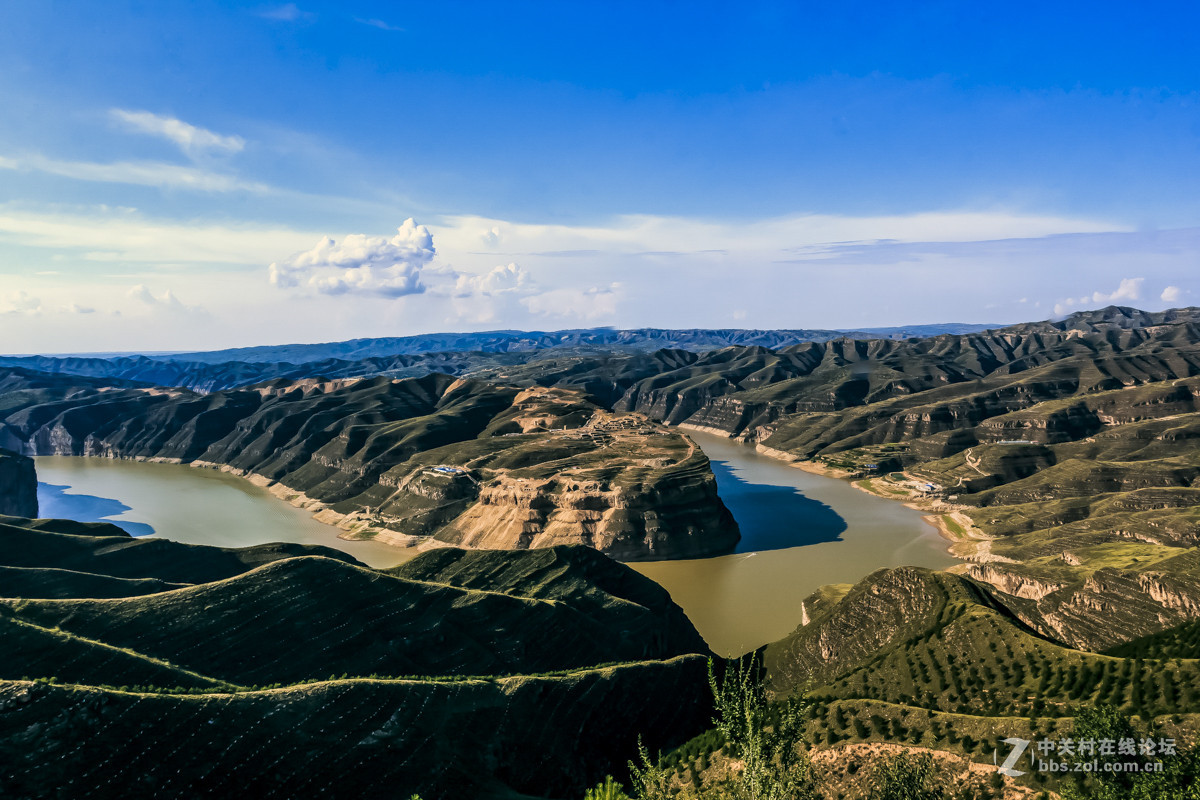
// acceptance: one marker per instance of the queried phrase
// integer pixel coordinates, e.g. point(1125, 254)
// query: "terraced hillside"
point(746, 391)
point(1064, 455)
point(413, 356)
point(942, 643)
point(430, 459)
point(458, 675)
point(936, 661)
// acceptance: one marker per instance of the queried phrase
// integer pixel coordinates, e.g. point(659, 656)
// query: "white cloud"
point(188, 138)
point(378, 23)
point(507, 278)
point(138, 173)
point(22, 303)
point(122, 236)
point(585, 304)
point(288, 12)
point(1171, 294)
point(1129, 290)
point(810, 236)
point(166, 301)
point(360, 264)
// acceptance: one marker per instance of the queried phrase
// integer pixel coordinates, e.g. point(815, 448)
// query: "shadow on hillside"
point(775, 516)
point(54, 502)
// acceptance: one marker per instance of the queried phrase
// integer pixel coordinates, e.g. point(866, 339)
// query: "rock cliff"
point(18, 485)
point(433, 460)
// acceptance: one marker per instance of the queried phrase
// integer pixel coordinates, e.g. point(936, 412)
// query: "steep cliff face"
point(670, 516)
point(1101, 609)
point(18, 485)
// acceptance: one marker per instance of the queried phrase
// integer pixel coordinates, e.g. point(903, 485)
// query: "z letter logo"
point(1006, 768)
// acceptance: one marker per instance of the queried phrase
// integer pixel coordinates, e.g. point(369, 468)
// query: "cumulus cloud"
point(22, 303)
point(360, 264)
point(1171, 294)
point(591, 303)
point(1129, 290)
point(167, 301)
point(507, 278)
point(191, 139)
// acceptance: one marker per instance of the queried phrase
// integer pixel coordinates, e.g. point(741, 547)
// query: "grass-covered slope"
point(306, 618)
point(957, 651)
point(462, 674)
point(31, 650)
point(1182, 641)
point(573, 576)
point(535, 736)
point(931, 659)
point(80, 555)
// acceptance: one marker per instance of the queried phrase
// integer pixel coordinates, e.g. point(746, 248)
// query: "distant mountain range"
point(495, 353)
point(637, 339)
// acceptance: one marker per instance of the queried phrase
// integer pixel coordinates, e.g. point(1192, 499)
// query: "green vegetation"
point(1072, 448)
point(766, 740)
point(217, 686)
point(953, 526)
point(608, 790)
point(905, 777)
point(1180, 642)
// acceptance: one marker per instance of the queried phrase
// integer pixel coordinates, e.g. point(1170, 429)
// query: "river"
point(800, 531)
point(187, 504)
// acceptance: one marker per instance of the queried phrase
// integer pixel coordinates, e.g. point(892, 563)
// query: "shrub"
point(904, 777)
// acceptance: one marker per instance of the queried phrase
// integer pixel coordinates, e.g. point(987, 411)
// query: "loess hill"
point(1064, 455)
point(435, 459)
point(185, 671)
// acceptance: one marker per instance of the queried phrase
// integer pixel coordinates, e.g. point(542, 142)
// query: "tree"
point(650, 780)
point(905, 777)
point(609, 790)
point(768, 741)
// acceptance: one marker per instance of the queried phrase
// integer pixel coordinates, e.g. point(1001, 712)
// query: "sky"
point(201, 175)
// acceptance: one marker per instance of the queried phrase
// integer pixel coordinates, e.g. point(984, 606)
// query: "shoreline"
point(345, 523)
point(970, 546)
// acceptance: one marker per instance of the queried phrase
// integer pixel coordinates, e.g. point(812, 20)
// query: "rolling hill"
point(459, 675)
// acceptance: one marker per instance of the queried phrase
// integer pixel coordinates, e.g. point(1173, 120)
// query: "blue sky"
point(178, 176)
